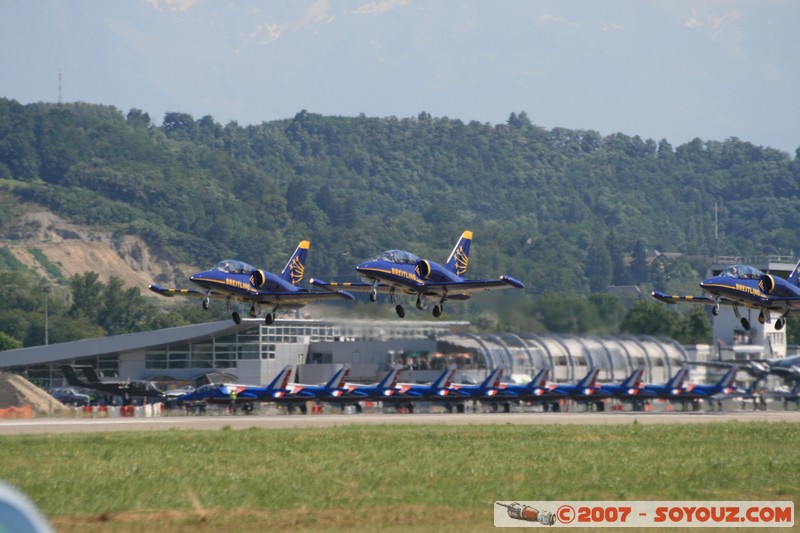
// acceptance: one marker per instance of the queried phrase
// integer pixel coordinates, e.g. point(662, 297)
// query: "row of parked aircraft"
point(393, 272)
point(453, 396)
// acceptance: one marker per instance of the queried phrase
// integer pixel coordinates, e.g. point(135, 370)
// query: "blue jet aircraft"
point(676, 391)
point(487, 391)
point(629, 390)
point(724, 386)
point(355, 394)
point(743, 285)
point(400, 271)
point(506, 393)
point(404, 395)
point(669, 390)
point(582, 391)
point(297, 394)
point(221, 393)
point(233, 280)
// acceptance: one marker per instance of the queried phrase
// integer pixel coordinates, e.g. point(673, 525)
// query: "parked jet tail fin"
point(72, 377)
point(390, 379)
point(281, 381)
point(338, 379)
point(635, 379)
point(590, 379)
point(676, 381)
point(459, 258)
point(444, 380)
point(729, 378)
point(295, 269)
point(492, 381)
point(89, 373)
point(540, 380)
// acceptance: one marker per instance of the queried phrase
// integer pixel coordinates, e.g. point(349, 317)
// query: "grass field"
point(398, 478)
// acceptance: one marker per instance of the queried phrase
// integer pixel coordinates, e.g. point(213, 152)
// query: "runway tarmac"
point(55, 425)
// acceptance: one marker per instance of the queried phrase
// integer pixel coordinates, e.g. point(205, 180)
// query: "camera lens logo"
point(517, 511)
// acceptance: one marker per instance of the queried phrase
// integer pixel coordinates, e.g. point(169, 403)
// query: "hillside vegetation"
point(559, 209)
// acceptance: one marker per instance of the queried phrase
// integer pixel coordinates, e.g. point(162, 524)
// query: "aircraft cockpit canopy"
point(232, 266)
point(399, 256)
point(742, 272)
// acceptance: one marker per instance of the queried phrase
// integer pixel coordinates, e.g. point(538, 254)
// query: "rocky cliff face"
point(53, 247)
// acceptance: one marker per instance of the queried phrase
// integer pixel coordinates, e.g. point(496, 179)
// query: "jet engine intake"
point(257, 278)
point(424, 268)
point(767, 283)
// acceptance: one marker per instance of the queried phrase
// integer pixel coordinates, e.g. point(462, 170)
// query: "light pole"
point(46, 328)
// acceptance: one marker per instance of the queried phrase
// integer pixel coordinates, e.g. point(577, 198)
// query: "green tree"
point(8, 343)
point(598, 266)
point(693, 328)
point(87, 296)
point(649, 318)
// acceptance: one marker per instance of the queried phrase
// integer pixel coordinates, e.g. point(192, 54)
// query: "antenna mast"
point(716, 220)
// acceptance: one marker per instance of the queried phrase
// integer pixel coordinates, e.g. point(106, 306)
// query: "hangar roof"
point(52, 353)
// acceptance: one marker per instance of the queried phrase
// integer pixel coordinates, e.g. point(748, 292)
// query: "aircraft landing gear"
point(398, 308)
point(743, 320)
point(420, 304)
point(253, 312)
point(715, 309)
point(779, 324)
point(237, 319)
point(437, 310)
point(373, 293)
point(206, 303)
point(269, 319)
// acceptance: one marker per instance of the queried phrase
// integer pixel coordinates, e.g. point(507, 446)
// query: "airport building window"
point(155, 360)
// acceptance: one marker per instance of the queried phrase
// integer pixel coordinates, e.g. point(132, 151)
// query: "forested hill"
point(556, 208)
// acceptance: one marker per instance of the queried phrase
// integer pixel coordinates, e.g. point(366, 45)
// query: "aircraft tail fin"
point(459, 258)
point(338, 379)
point(492, 381)
point(443, 380)
point(296, 267)
point(90, 373)
point(794, 278)
point(676, 381)
point(635, 379)
point(540, 380)
point(71, 376)
point(729, 378)
point(281, 381)
point(590, 379)
point(389, 380)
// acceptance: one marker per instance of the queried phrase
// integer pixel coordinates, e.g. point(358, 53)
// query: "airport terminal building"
point(253, 353)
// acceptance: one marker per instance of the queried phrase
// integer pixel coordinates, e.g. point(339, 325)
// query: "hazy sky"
point(671, 70)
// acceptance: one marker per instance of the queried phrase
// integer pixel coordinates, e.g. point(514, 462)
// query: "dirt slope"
point(73, 249)
point(16, 391)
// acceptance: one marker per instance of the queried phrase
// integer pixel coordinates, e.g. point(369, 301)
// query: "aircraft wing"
point(298, 297)
point(475, 285)
point(356, 286)
point(430, 288)
point(169, 293)
point(672, 299)
point(301, 296)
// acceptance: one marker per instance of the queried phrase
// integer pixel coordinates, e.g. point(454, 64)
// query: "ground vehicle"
point(70, 396)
